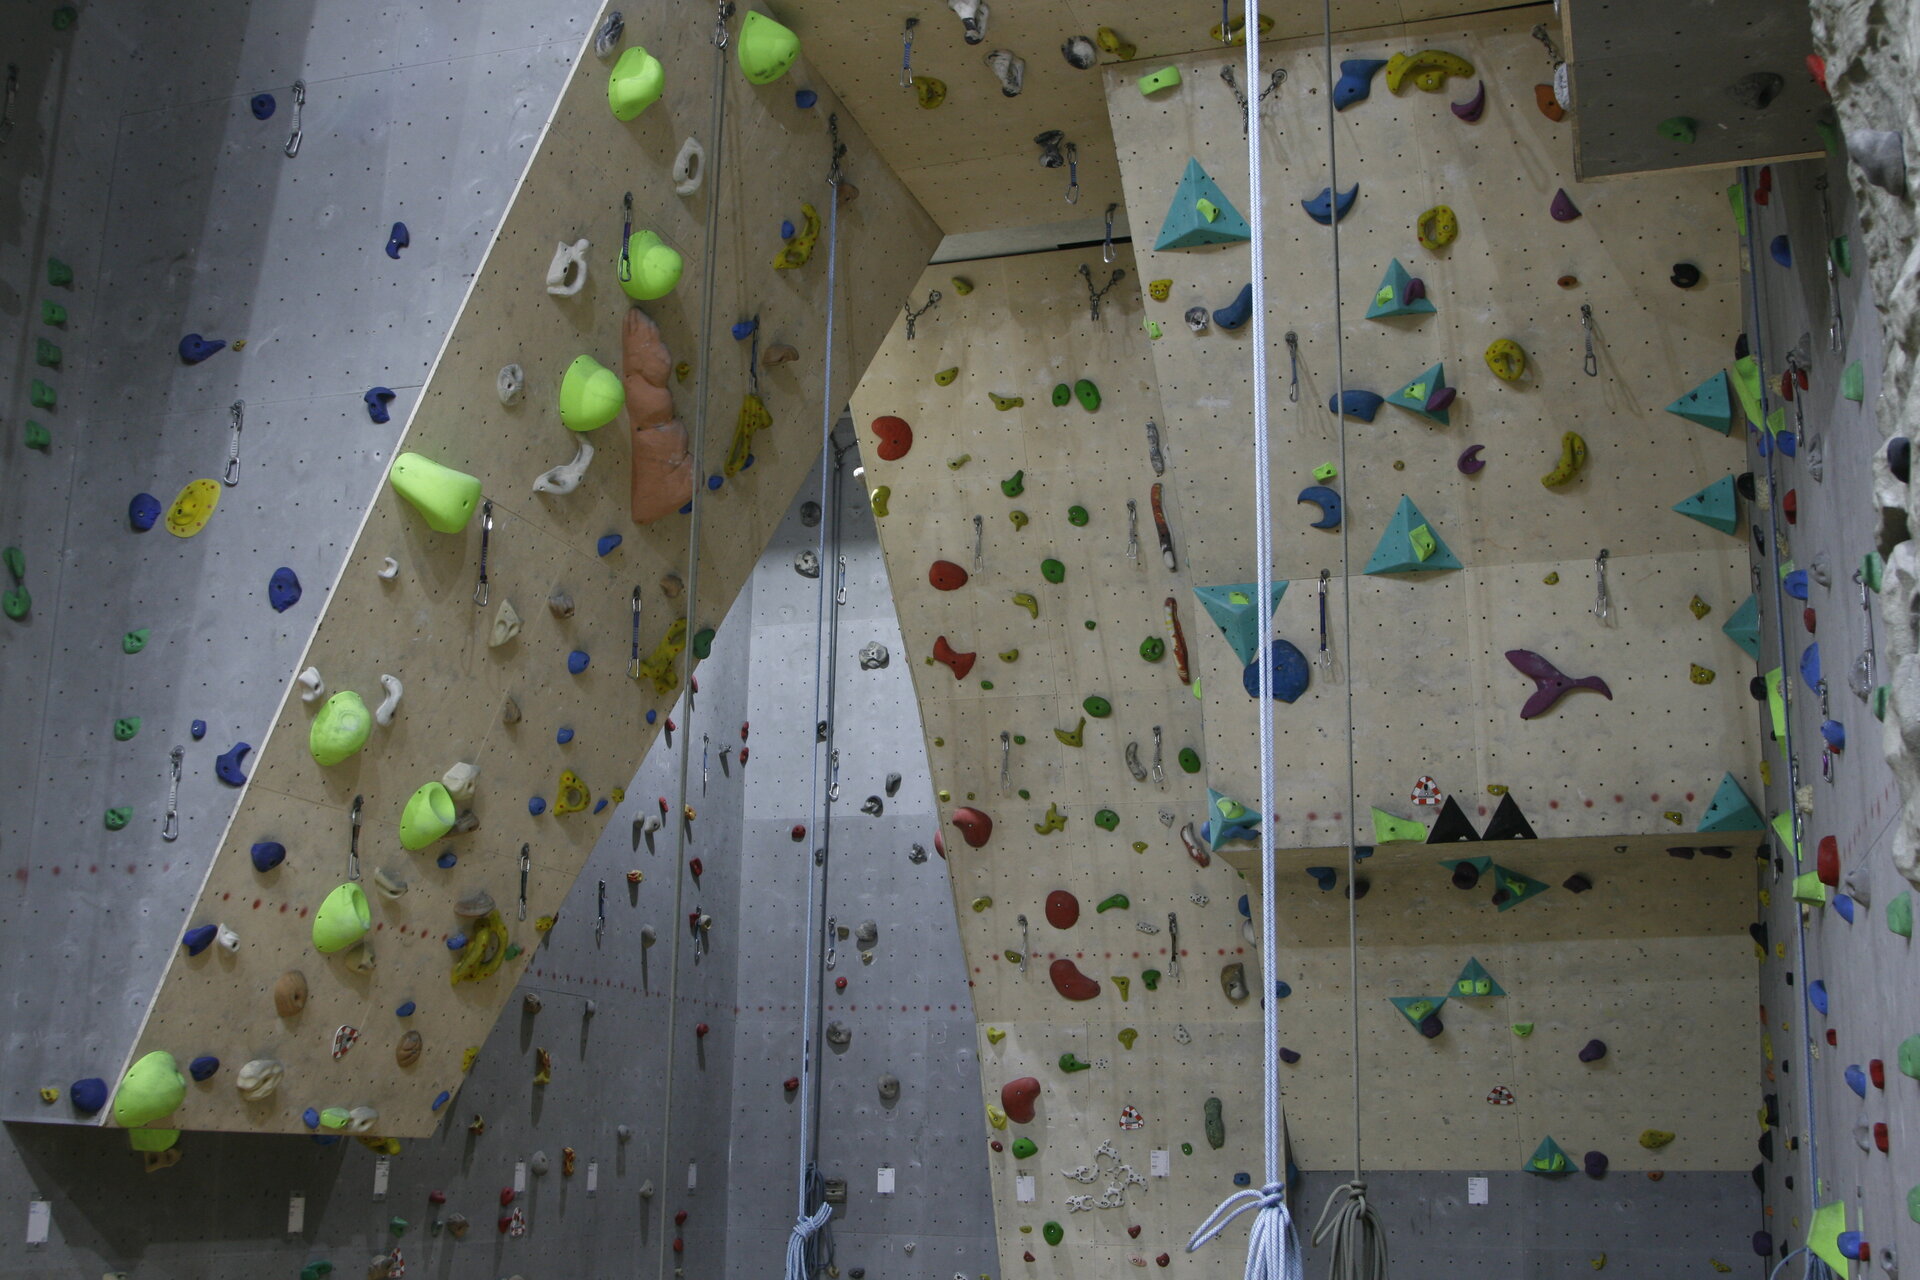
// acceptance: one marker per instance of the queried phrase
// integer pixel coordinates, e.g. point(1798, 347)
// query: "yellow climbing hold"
point(1139, 846)
point(1025, 600)
point(1700, 607)
point(995, 1035)
point(961, 285)
point(1674, 816)
point(1429, 69)
point(466, 1058)
point(1009, 655)
point(1599, 1263)
point(1573, 456)
point(1552, 579)
point(1654, 1139)
point(946, 376)
point(1437, 228)
point(1238, 27)
point(545, 924)
point(982, 902)
point(881, 496)
point(799, 246)
point(1496, 788)
point(1126, 1037)
point(753, 419)
point(573, 796)
point(929, 91)
point(1123, 984)
point(659, 667)
point(1004, 403)
point(996, 1115)
point(1699, 674)
point(192, 508)
point(1054, 821)
point(1072, 737)
point(1506, 359)
point(1159, 289)
point(959, 461)
point(486, 949)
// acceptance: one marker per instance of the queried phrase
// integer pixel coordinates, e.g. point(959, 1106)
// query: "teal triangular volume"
point(1475, 983)
point(1548, 1159)
point(1387, 299)
point(1416, 1008)
point(1413, 397)
point(1511, 888)
point(1395, 552)
point(1717, 506)
point(1710, 404)
point(1731, 810)
point(1186, 225)
point(1234, 610)
point(1743, 628)
point(1228, 819)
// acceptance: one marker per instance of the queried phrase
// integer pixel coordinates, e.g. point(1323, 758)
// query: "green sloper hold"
point(1186, 227)
point(342, 920)
point(1737, 199)
point(445, 498)
point(1216, 1124)
point(153, 1139)
point(635, 83)
point(1548, 1159)
point(1900, 915)
point(1731, 810)
point(1777, 701)
point(340, 730)
point(1717, 506)
point(1416, 1009)
point(1024, 1147)
point(1710, 404)
point(766, 48)
point(135, 641)
point(1087, 394)
point(1743, 628)
point(1388, 829)
point(1746, 384)
point(1397, 551)
point(1518, 887)
point(1393, 287)
point(1052, 1232)
point(1783, 829)
point(1234, 611)
point(152, 1088)
point(591, 395)
point(1474, 982)
point(1909, 1057)
point(1853, 382)
point(428, 815)
point(653, 267)
point(1413, 396)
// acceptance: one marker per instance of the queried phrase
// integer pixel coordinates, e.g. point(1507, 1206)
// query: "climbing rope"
point(1359, 1250)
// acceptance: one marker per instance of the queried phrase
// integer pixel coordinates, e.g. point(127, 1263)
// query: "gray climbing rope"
point(1359, 1246)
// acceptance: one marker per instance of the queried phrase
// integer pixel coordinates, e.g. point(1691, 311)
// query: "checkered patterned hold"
point(344, 1039)
point(1426, 791)
point(1500, 1096)
point(1130, 1118)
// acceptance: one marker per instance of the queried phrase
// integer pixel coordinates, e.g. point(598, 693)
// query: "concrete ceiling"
point(972, 162)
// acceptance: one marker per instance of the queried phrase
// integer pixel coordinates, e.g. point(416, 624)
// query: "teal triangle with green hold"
point(1475, 982)
point(1710, 404)
point(1717, 506)
point(1548, 1159)
point(1415, 396)
point(1234, 611)
point(1410, 544)
point(1731, 810)
point(1391, 299)
point(1511, 888)
point(1417, 1009)
point(1200, 214)
point(1743, 628)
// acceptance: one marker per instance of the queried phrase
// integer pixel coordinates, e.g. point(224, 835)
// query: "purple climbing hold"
point(227, 767)
point(398, 239)
point(199, 730)
point(1470, 463)
point(1763, 1243)
point(194, 348)
point(1595, 1163)
point(283, 589)
point(88, 1095)
point(199, 938)
point(262, 105)
point(1441, 398)
point(268, 854)
point(1550, 683)
point(1593, 1051)
point(377, 399)
point(577, 661)
point(607, 543)
point(1431, 1026)
point(1289, 1056)
point(1563, 208)
point(203, 1067)
point(1415, 290)
point(143, 512)
point(1471, 109)
point(804, 98)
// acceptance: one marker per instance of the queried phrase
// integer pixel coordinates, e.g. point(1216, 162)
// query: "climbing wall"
point(423, 626)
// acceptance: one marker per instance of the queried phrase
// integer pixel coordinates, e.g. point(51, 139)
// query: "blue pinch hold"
point(1356, 81)
point(203, 1067)
point(199, 730)
point(1789, 444)
point(608, 541)
point(804, 98)
point(1810, 667)
point(143, 512)
point(1844, 905)
point(268, 854)
point(1795, 584)
point(564, 736)
point(446, 860)
point(405, 1010)
point(1325, 877)
point(714, 482)
point(1237, 312)
point(457, 942)
point(310, 1118)
point(283, 589)
point(199, 938)
point(537, 806)
point(1289, 672)
point(1781, 250)
point(652, 715)
point(227, 767)
point(577, 661)
point(743, 329)
point(1326, 207)
point(1245, 906)
point(1354, 403)
point(194, 348)
point(377, 399)
point(1243, 1179)
point(88, 1095)
point(262, 105)
point(1817, 994)
point(442, 1100)
point(398, 239)
point(599, 804)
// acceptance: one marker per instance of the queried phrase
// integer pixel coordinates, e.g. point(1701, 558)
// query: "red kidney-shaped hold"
point(1827, 861)
point(976, 828)
point(1063, 909)
point(1070, 982)
point(955, 661)
point(896, 437)
point(945, 575)
point(1017, 1098)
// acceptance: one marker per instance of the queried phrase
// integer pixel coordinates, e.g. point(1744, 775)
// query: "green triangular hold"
point(1810, 889)
point(1853, 382)
point(1743, 628)
point(1548, 1159)
point(1186, 226)
point(1717, 506)
point(1416, 1009)
point(1387, 299)
point(1776, 422)
point(1731, 810)
point(1783, 828)
point(1840, 250)
point(1475, 982)
point(1398, 552)
point(1234, 611)
point(1388, 829)
point(1737, 197)
point(1710, 404)
point(1517, 886)
point(1413, 396)
point(1746, 384)
point(1777, 701)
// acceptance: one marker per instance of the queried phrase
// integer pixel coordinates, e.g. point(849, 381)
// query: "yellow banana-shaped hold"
point(1429, 69)
point(485, 951)
point(753, 419)
point(799, 246)
point(659, 666)
point(1573, 456)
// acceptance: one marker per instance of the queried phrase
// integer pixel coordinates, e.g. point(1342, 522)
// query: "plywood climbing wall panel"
point(424, 627)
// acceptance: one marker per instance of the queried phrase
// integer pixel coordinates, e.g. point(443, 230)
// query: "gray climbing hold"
point(867, 935)
point(1882, 157)
point(889, 1087)
point(839, 1034)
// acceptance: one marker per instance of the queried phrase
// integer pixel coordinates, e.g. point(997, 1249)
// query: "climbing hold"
point(1354, 403)
point(1166, 77)
point(1715, 506)
point(1187, 226)
point(895, 436)
point(1429, 69)
point(945, 575)
point(340, 730)
point(1075, 736)
point(1549, 104)
point(1470, 462)
point(1437, 228)
point(1004, 403)
point(1328, 500)
point(1410, 545)
point(227, 766)
point(1472, 109)
point(1326, 207)
point(635, 83)
point(1087, 394)
point(1428, 395)
point(1710, 404)
point(143, 512)
point(1550, 683)
point(151, 1089)
point(268, 854)
point(194, 348)
point(192, 508)
point(377, 399)
point(1097, 707)
point(283, 589)
point(1781, 251)
point(1399, 294)
point(1017, 1098)
point(1677, 128)
point(766, 49)
point(1506, 359)
point(428, 815)
point(958, 663)
point(1213, 1117)
point(1356, 81)
point(652, 270)
point(1070, 982)
point(1112, 902)
point(1593, 1051)
point(1654, 1139)
point(1289, 676)
point(976, 828)
point(1053, 1232)
point(398, 238)
point(341, 920)
point(1573, 457)
point(1563, 209)
point(1237, 312)
point(1548, 1158)
point(946, 376)
point(445, 498)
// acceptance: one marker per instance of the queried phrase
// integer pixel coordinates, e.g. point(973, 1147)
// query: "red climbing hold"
point(1880, 1136)
point(1017, 1098)
point(896, 437)
point(696, 867)
point(679, 1245)
point(799, 832)
point(839, 984)
point(958, 663)
point(1826, 862)
point(1028, 1255)
point(940, 844)
point(700, 1029)
point(1817, 68)
point(791, 1084)
point(1070, 982)
point(976, 828)
point(1877, 1072)
point(680, 1218)
point(1133, 1230)
point(506, 1196)
point(1063, 909)
point(945, 575)
point(1162, 1260)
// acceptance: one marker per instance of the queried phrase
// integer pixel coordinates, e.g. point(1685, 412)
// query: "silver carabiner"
point(170, 829)
point(480, 591)
point(231, 476)
point(299, 132)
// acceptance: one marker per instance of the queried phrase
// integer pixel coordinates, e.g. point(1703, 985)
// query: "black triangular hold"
point(1452, 826)
point(1758, 931)
point(1508, 823)
point(1576, 883)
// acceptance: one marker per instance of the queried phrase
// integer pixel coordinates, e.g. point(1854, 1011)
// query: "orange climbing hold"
point(958, 663)
point(896, 437)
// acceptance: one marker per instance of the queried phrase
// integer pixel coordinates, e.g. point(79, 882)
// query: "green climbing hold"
point(1853, 382)
point(135, 641)
point(1069, 1063)
point(1077, 516)
point(54, 314)
point(1106, 820)
point(1839, 249)
point(765, 49)
point(1900, 915)
point(15, 602)
point(316, 1270)
point(46, 354)
point(1062, 393)
point(1676, 128)
point(1153, 648)
point(151, 1089)
point(1013, 486)
point(946, 376)
point(1053, 570)
point(986, 684)
point(37, 436)
point(445, 498)
point(119, 817)
point(1087, 394)
point(1053, 1232)
point(1089, 624)
point(1097, 707)
point(1548, 1158)
point(1024, 1147)
point(1523, 1029)
point(1018, 517)
point(1113, 901)
point(340, 730)
point(1025, 794)
point(1019, 739)
point(125, 727)
point(1910, 1057)
point(58, 272)
point(1150, 978)
point(1216, 1124)
point(1189, 760)
point(1186, 1148)
point(1913, 1203)
point(703, 642)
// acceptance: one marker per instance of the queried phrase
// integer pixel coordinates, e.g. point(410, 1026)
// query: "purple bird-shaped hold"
point(1551, 684)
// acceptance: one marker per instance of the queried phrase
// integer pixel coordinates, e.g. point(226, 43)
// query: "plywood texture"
point(425, 628)
point(1433, 694)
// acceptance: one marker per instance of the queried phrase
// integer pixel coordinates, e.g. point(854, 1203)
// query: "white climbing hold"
point(565, 478)
point(361, 1120)
point(390, 881)
point(227, 938)
point(383, 714)
point(259, 1078)
point(1882, 157)
point(313, 688)
point(1009, 69)
point(460, 780)
point(511, 383)
point(567, 273)
point(506, 625)
point(389, 569)
point(359, 958)
point(689, 167)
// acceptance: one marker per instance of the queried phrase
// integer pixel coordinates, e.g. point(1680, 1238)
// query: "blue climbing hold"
point(283, 589)
point(1795, 584)
point(804, 98)
point(1356, 81)
point(537, 806)
point(1328, 500)
point(1834, 733)
point(1242, 1179)
point(1810, 667)
point(786, 233)
point(1850, 1244)
point(1817, 994)
point(310, 1118)
point(1245, 906)
point(1238, 312)
point(203, 1067)
point(143, 512)
point(1353, 403)
point(564, 736)
point(652, 715)
point(686, 510)
point(199, 938)
point(446, 860)
point(747, 463)
point(1289, 672)
point(577, 661)
point(1789, 444)
point(1856, 1079)
point(441, 1101)
point(194, 348)
point(457, 942)
point(607, 543)
point(88, 1095)
point(1281, 990)
point(1325, 877)
point(398, 239)
point(405, 1010)
point(262, 105)
point(599, 804)
point(1324, 208)
point(714, 482)
point(1844, 905)
point(199, 730)
point(1762, 443)
point(1782, 251)
point(268, 854)
point(228, 765)
point(377, 399)
point(744, 329)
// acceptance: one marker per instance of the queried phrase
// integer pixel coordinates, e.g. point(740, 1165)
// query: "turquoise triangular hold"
point(1511, 888)
point(1399, 549)
point(1187, 225)
point(1743, 628)
point(1475, 982)
point(1548, 1159)
point(1731, 810)
point(1390, 299)
point(1228, 819)
point(1416, 1009)
point(1717, 506)
point(1710, 404)
point(1233, 610)
point(1414, 396)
